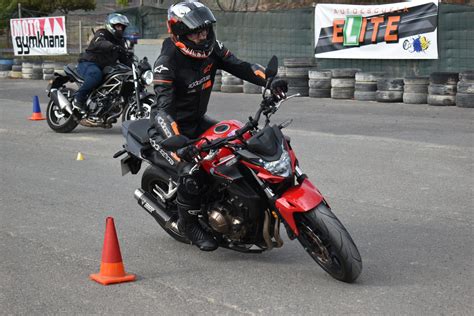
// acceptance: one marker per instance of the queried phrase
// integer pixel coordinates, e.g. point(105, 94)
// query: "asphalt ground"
point(398, 176)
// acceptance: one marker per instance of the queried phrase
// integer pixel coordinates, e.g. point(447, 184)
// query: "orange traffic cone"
point(111, 267)
point(37, 116)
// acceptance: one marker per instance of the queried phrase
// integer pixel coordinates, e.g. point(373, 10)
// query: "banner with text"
point(405, 30)
point(39, 36)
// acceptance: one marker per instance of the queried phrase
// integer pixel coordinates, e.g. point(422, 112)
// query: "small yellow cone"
point(80, 156)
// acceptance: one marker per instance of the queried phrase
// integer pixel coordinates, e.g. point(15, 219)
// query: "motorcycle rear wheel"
point(152, 179)
point(327, 241)
point(58, 120)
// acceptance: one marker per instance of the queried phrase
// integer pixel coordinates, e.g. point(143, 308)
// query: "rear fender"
point(298, 199)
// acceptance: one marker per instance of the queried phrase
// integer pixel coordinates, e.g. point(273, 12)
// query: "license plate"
point(124, 165)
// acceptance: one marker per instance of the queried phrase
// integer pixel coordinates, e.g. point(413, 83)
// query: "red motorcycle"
point(253, 185)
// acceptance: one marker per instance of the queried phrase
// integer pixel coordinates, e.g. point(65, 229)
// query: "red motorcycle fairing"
point(298, 199)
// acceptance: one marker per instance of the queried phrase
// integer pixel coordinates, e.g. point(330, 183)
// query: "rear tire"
point(152, 178)
point(59, 121)
point(329, 244)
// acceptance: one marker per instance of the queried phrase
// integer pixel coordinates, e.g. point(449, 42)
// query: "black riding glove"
point(187, 153)
point(279, 88)
point(119, 49)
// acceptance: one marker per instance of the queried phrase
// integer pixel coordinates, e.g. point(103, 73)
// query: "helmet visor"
point(198, 18)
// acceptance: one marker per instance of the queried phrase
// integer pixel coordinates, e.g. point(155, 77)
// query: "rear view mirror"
point(272, 67)
point(174, 143)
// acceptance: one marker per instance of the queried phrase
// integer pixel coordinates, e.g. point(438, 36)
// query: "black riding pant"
point(190, 186)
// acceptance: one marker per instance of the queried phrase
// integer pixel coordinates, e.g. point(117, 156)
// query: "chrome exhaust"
point(154, 207)
point(61, 100)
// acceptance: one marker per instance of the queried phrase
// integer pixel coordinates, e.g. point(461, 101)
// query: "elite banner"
point(406, 30)
point(39, 36)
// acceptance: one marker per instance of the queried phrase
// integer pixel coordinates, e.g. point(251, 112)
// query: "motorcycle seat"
point(71, 70)
point(138, 130)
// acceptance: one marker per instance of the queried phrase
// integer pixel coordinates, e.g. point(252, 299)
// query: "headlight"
point(280, 167)
point(147, 77)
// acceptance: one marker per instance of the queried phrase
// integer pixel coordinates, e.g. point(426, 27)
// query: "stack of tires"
point(231, 84)
point(59, 68)
point(366, 85)
point(296, 71)
point(465, 94)
point(16, 69)
point(250, 88)
point(281, 72)
point(415, 90)
point(319, 83)
point(217, 81)
point(5, 67)
point(48, 70)
point(32, 70)
point(343, 82)
point(442, 88)
point(389, 90)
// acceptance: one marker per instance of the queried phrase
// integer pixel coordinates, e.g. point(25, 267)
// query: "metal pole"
point(80, 36)
point(19, 10)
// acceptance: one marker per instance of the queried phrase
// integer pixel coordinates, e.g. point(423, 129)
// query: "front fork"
point(297, 199)
point(137, 92)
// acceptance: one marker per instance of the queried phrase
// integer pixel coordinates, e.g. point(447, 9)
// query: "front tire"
point(130, 111)
point(327, 241)
point(154, 179)
point(58, 120)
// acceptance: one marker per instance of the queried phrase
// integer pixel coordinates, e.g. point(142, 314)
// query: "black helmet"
point(113, 19)
point(190, 17)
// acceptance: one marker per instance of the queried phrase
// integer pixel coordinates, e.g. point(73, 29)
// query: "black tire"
point(299, 62)
point(319, 83)
point(342, 93)
point(216, 87)
point(443, 100)
point(154, 176)
point(365, 86)
point(368, 76)
point(5, 67)
point(298, 72)
point(342, 82)
point(344, 72)
point(465, 100)
point(232, 89)
point(129, 114)
point(320, 74)
point(465, 87)
point(415, 98)
point(231, 81)
point(390, 84)
point(442, 89)
point(303, 91)
point(57, 120)
point(364, 95)
point(297, 82)
point(319, 93)
point(16, 68)
point(444, 77)
point(327, 241)
point(416, 80)
point(250, 88)
point(415, 88)
point(467, 75)
point(388, 96)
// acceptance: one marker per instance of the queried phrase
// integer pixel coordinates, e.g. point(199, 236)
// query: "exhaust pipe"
point(61, 100)
point(154, 207)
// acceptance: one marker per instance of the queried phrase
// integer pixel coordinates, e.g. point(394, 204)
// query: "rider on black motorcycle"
point(183, 79)
point(105, 49)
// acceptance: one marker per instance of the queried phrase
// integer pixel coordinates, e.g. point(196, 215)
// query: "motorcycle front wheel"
point(58, 120)
point(327, 241)
point(130, 112)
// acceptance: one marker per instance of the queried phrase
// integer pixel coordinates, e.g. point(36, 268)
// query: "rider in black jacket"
point(183, 79)
point(105, 49)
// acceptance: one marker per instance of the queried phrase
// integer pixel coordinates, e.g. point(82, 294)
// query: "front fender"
point(298, 199)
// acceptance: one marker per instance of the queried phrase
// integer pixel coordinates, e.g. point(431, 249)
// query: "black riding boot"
point(188, 223)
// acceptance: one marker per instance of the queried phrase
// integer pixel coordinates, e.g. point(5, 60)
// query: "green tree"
point(45, 7)
point(122, 3)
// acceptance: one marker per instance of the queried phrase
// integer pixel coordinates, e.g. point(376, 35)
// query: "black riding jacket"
point(101, 52)
point(183, 84)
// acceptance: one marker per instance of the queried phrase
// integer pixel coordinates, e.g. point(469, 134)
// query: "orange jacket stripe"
point(162, 81)
point(207, 84)
point(260, 73)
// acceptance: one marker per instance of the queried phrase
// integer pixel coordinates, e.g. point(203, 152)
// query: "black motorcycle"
point(122, 86)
